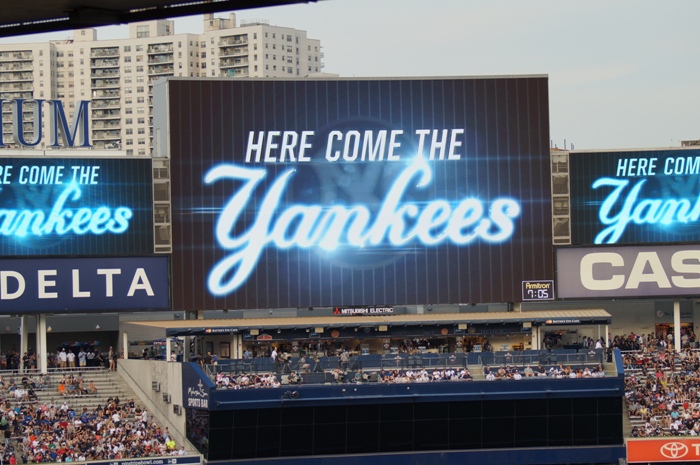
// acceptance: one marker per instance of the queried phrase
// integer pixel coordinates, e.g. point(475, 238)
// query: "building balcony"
point(235, 40)
point(105, 83)
point(109, 94)
point(15, 56)
point(13, 67)
point(15, 87)
point(161, 70)
point(16, 77)
point(111, 103)
point(11, 94)
point(161, 59)
point(106, 114)
point(107, 135)
point(100, 63)
point(233, 63)
point(159, 48)
point(233, 51)
point(106, 145)
point(234, 72)
point(105, 124)
point(104, 52)
point(104, 73)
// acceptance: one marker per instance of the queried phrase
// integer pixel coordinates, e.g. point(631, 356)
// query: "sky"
point(622, 74)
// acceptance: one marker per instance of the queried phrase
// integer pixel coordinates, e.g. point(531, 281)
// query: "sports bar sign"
point(358, 192)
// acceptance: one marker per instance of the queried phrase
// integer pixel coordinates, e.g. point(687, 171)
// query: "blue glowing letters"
point(396, 224)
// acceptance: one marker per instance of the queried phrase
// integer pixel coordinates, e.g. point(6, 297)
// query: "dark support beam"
point(51, 16)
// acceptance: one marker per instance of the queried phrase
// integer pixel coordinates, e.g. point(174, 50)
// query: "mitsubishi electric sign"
point(613, 272)
point(635, 197)
point(358, 192)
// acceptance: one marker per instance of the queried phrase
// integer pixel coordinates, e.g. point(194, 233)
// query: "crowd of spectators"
point(37, 432)
point(559, 372)
point(661, 385)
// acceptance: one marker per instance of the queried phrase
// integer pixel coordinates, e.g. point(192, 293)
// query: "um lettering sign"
point(61, 134)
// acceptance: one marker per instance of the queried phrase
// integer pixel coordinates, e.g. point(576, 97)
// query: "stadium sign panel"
point(635, 197)
point(632, 271)
point(76, 206)
point(673, 449)
point(356, 192)
point(61, 134)
point(33, 285)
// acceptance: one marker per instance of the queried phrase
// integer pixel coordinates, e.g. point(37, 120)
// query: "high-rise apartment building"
point(117, 75)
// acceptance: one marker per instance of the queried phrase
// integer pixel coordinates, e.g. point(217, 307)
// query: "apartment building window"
point(129, 121)
point(142, 32)
point(139, 58)
point(139, 69)
point(140, 110)
point(139, 48)
point(127, 59)
point(142, 141)
point(139, 78)
point(203, 44)
point(127, 80)
point(255, 57)
point(274, 57)
point(141, 120)
point(128, 101)
point(255, 46)
point(41, 53)
point(142, 130)
point(130, 142)
point(274, 67)
point(273, 35)
point(127, 90)
point(130, 152)
point(127, 48)
point(266, 34)
point(142, 151)
point(129, 131)
point(289, 38)
point(140, 89)
point(140, 99)
point(127, 69)
point(256, 68)
point(128, 110)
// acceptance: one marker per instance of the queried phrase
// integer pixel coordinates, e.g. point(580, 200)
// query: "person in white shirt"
point(71, 359)
point(62, 358)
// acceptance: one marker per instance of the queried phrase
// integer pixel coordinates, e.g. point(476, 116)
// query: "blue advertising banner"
point(358, 192)
point(76, 206)
point(635, 197)
point(32, 285)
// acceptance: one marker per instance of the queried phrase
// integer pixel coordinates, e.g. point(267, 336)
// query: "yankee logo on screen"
point(404, 217)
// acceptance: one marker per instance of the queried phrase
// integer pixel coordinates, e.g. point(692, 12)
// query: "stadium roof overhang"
point(56, 15)
point(233, 326)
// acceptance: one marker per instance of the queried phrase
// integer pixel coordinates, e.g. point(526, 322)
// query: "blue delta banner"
point(76, 206)
point(32, 285)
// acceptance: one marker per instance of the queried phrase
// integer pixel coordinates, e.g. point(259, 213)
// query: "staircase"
point(108, 383)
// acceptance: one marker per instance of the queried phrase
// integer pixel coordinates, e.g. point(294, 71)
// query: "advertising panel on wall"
point(75, 206)
point(629, 271)
point(635, 197)
point(40, 285)
point(358, 192)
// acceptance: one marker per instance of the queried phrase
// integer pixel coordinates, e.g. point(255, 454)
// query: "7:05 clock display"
point(538, 290)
